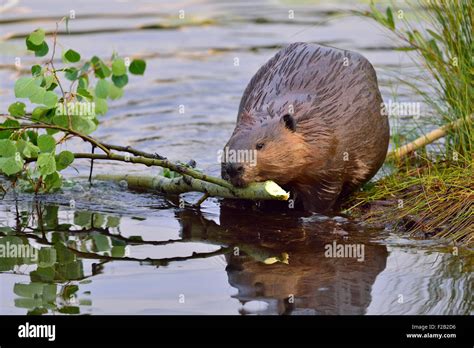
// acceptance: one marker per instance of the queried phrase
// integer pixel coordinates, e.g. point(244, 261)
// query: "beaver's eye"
point(259, 146)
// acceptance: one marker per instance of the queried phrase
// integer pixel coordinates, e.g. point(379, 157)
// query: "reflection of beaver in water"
point(313, 116)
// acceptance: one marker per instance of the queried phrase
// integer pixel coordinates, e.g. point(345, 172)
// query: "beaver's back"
point(334, 97)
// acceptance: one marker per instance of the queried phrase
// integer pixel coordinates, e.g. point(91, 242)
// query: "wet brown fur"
point(341, 137)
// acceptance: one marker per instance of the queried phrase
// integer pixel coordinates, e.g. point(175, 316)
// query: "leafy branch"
point(27, 138)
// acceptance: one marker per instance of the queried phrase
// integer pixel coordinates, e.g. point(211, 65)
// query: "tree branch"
point(179, 168)
point(192, 180)
point(427, 139)
point(133, 151)
point(62, 129)
point(267, 190)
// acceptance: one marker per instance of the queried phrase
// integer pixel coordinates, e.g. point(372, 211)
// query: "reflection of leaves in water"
point(101, 242)
point(55, 282)
point(12, 243)
point(47, 257)
point(35, 296)
point(55, 264)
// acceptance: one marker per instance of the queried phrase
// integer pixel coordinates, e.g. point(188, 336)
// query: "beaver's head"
point(270, 150)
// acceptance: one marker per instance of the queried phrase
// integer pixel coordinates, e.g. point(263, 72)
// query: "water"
point(114, 251)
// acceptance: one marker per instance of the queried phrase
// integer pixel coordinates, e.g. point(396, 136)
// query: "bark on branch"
point(427, 139)
point(267, 190)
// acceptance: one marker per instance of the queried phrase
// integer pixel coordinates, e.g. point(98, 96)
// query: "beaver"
point(312, 114)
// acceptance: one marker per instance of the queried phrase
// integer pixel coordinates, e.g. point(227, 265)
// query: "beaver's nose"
point(233, 169)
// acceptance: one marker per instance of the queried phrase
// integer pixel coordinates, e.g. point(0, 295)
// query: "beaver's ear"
point(289, 122)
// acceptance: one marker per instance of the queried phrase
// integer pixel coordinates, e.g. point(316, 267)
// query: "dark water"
point(114, 251)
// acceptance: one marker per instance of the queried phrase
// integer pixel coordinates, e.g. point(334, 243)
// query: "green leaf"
point(104, 70)
point(118, 251)
point(101, 242)
point(69, 290)
point(113, 221)
point(71, 56)
point(71, 73)
point(84, 69)
point(80, 124)
point(71, 271)
point(120, 81)
point(30, 150)
point(17, 109)
point(11, 165)
point(20, 145)
point(38, 96)
point(52, 87)
point(84, 93)
point(82, 218)
point(48, 81)
point(49, 290)
point(28, 303)
point(36, 37)
point(102, 89)
point(64, 159)
point(33, 136)
point(100, 69)
point(390, 21)
point(53, 181)
point(115, 92)
point(46, 257)
point(46, 143)
point(63, 254)
point(101, 106)
point(137, 67)
point(118, 67)
point(83, 82)
point(39, 112)
point(25, 87)
point(42, 50)
point(50, 99)
point(30, 290)
point(99, 220)
point(46, 163)
point(42, 274)
point(7, 148)
point(5, 134)
point(36, 70)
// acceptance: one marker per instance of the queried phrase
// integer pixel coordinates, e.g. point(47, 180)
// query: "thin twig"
point(65, 130)
point(133, 151)
point(202, 199)
point(92, 166)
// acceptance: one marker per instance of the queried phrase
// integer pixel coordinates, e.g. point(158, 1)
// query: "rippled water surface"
point(121, 252)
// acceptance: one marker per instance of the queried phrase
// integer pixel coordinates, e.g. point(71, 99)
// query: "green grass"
point(440, 43)
point(431, 194)
point(426, 200)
